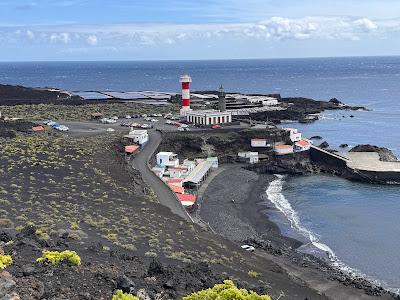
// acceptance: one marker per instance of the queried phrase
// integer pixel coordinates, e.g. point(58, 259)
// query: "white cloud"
point(30, 34)
point(63, 37)
point(92, 40)
point(151, 35)
point(365, 24)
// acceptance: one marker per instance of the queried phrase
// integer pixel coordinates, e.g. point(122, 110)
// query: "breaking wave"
point(274, 194)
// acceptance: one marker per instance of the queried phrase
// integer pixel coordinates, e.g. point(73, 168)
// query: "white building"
point(283, 149)
point(178, 171)
point(259, 143)
point(190, 164)
point(139, 136)
point(208, 117)
point(214, 160)
point(167, 159)
point(252, 157)
point(295, 136)
point(302, 145)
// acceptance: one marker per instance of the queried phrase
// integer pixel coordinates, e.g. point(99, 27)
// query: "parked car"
point(61, 128)
point(46, 122)
point(248, 248)
point(216, 127)
point(154, 120)
point(110, 130)
point(128, 117)
point(108, 121)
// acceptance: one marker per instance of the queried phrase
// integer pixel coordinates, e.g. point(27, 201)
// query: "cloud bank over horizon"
point(273, 36)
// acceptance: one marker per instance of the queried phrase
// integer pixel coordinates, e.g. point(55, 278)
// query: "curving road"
point(164, 194)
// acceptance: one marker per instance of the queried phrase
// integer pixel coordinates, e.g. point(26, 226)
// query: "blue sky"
point(207, 29)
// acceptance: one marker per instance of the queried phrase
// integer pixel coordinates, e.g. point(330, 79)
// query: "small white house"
point(167, 159)
point(140, 137)
point(295, 136)
point(252, 157)
point(214, 161)
point(283, 149)
point(259, 143)
point(177, 171)
point(190, 164)
point(302, 145)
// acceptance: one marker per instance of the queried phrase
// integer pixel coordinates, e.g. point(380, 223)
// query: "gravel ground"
point(234, 206)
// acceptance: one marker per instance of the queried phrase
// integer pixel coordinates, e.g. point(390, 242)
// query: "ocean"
point(356, 224)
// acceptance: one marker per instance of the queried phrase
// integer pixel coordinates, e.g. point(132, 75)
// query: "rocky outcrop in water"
point(384, 153)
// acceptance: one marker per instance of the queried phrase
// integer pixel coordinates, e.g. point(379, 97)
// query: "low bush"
point(253, 274)
point(5, 261)
point(226, 291)
point(55, 257)
point(122, 296)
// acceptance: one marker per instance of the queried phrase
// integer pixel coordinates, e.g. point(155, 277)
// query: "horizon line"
point(199, 59)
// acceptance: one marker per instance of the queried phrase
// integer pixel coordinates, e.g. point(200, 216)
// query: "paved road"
point(164, 194)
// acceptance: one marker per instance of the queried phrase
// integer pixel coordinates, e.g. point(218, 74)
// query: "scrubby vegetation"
point(55, 257)
point(80, 112)
point(120, 295)
point(226, 291)
point(5, 261)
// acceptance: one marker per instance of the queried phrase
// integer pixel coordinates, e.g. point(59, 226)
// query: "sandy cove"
point(235, 205)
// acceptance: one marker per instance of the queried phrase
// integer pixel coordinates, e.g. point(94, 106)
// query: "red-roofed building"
point(176, 189)
point(37, 128)
point(283, 149)
point(187, 200)
point(175, 181)
point(302, 145)
point(130, 149)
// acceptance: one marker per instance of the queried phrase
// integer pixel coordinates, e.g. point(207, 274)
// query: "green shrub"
point(226, 291)
point(5, 261)
point(55, 257)
point(253, 274)
point(122, 296)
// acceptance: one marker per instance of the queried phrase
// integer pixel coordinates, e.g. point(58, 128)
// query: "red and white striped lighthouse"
point(185, 80)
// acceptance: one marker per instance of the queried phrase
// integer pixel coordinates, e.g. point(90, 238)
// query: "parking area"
point(97, 127)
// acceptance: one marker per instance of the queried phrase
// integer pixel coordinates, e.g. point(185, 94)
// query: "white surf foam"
point(274, 194)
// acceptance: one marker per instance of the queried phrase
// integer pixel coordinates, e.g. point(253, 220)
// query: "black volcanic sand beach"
point(235, 206)
point(231, 205)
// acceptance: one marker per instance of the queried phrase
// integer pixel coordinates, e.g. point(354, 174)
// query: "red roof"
point(176, 189)
point(303, 143)
point(186, 199)
point(175, 180)
point(131, 148)
point(38, 128)
point(283, 146)
point(179, 168)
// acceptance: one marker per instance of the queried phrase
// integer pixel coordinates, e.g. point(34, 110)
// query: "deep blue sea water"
point(358, 223)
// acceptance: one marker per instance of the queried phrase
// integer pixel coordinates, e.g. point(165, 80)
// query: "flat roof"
point(199, 172)
point(165, 153)
point(138, 132)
